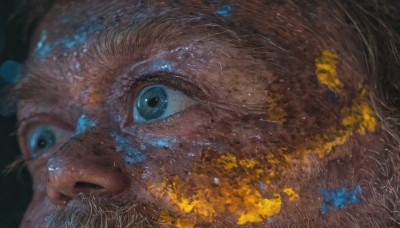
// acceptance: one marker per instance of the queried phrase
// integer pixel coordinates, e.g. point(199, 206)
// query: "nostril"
point(86, 186)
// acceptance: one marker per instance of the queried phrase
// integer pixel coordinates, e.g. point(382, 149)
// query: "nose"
point(85, 165)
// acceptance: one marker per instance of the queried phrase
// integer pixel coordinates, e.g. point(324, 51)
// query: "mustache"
point(95, 212)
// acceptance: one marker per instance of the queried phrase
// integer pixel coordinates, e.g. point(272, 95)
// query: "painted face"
point(195, 113)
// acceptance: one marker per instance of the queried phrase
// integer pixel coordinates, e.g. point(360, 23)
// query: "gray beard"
point(96, 212)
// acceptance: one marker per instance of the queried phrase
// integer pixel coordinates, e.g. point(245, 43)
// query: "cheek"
point(39, 207)
point(230, 174)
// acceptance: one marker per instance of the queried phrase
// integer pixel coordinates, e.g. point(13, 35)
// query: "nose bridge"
point(86, 164)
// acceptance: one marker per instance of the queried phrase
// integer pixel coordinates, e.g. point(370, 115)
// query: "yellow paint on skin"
point(359, 117)
point(248, 163)
point(229, 161)
point(291, 193)
point(237, 191)
point(325, 70)
point(276, 109)
point(166, 219)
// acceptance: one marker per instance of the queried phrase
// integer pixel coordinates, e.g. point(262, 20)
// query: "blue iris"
point(152, 102)
point(41, 139)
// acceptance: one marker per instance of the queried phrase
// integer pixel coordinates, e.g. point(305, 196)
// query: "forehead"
point(82, 35)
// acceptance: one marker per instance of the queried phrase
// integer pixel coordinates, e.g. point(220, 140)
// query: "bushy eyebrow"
point(114, 43)
point(123, 41)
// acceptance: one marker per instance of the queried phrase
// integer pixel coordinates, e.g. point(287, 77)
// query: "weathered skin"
point(277, 111)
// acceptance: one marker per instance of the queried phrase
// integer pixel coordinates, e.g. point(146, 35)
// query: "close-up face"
point(200, 114)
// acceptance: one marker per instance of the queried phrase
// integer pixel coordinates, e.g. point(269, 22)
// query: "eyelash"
point(166, 78)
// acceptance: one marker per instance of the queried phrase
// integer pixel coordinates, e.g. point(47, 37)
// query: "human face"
point(193, 113)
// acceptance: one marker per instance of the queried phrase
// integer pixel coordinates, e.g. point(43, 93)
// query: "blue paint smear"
point(83, 124)
point(163, 65)
point(339, 198)
point(133, 155)
point(42, 49)
point(78, 37)
point(270, 221)
point(10, 71)
point(224, 11)
point(163, 142)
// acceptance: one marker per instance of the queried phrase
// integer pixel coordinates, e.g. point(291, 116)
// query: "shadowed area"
point(15, 187)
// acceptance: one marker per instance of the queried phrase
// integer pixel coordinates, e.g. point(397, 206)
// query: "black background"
point(15, 188)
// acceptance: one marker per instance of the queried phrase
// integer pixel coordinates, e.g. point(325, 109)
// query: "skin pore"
point(199, 113)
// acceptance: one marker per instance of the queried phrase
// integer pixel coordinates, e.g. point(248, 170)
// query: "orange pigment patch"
point(325, 70)
point(223, 183)
point(238, 191)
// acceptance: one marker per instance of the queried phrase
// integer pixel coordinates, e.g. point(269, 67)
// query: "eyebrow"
point(122, 41)
point(115, 43)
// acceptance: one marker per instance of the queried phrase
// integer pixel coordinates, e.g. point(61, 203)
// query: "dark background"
point(15, 188)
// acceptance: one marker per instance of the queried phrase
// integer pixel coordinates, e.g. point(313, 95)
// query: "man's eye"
point(158, 102)
point(41, 139)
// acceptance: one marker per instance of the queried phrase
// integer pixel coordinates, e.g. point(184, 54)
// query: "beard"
point(94, 211)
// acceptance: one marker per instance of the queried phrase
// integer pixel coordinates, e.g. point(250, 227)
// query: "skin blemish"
point(132, 155)
point(83, 124)
point(224, 11)
point(339, 198)
point(325, 70)
point(10, 71)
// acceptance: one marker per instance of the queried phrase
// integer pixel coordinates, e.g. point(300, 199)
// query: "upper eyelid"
point(175, 81)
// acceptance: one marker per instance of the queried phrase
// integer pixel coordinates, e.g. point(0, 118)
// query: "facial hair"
point(95, 212)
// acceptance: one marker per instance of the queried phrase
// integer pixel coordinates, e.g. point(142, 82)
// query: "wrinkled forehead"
point(82, 19)
point(76, 21)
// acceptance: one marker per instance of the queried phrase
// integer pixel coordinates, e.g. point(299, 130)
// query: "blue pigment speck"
point(270, 221)
point(83, 124)
point(10, 71)
point(339, 198)
point(78, 37)
point(261, 185)
point(42, 40)
point(163, 65)
point(42, 49)
point(133, 155)
point(224, 11)
point(163, 142)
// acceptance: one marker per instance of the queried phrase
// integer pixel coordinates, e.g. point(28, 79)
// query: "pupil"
point(42, 143)
point(153, 102)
